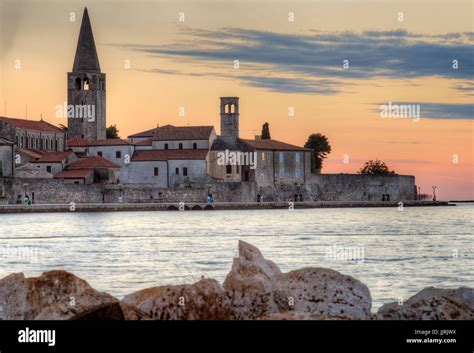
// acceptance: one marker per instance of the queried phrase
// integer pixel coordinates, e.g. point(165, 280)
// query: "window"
point(282, 173)
point(86, 84)
point(263, 156)
point(76, 182)
point(118, 154)
point(99, 153)
point(176, 171)
point(281, 156)
point(185, 171)
point(166, 146)
point(228, 169)
point(238, 169)
point(297, 157)
point(195, 146)
point(156, 171)
point(48, 168)
point(78, 83)
point(180, 146)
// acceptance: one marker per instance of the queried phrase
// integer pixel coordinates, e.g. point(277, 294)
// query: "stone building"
point(54, 162)
point(31, 134)
point(277, 162)
point(117, 151)
point(92, 169)
point(86, 89)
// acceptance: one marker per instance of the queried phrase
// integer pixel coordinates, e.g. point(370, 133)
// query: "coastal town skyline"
point(166, 74)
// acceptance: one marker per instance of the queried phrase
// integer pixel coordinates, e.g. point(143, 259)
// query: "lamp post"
point(434, 193)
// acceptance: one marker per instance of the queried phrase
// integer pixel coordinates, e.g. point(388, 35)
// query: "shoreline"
point(200, 206)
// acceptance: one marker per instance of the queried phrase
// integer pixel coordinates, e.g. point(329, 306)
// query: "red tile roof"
point(77, 142)
point(92, 162)
point(31, 153)
point(109, 142)
point(36, 125)
point(273, 145)
point(170, 133)
point(146, 142)
point(74, 174)
point(163, 155)
point(53, 157)
point(148, 133)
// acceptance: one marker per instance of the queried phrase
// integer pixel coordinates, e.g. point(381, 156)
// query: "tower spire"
point(86, 54)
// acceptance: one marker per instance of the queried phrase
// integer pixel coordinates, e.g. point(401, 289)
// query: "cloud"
point(465, 87)
point(297, 62)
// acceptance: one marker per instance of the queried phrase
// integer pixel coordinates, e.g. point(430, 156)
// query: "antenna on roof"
point(41, 116)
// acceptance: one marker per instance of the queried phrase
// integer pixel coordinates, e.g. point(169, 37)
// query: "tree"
point(375, 168)
point(112, 132)
point(266, 132)
point(321, 147)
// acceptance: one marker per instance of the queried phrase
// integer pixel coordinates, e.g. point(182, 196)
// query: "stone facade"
point(145, 172)
point(229, 119)
point(32, 134)
point(324, 187)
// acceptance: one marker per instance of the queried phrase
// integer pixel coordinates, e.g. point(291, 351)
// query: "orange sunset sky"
point(398, 51)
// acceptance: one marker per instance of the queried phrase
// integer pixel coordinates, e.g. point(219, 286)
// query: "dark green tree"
point(375, 168)
point(321, 147)
point(112, 132)
point(266, 132)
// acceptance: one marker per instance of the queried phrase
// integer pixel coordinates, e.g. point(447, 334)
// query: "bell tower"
point(230, 119)
point(86, 88)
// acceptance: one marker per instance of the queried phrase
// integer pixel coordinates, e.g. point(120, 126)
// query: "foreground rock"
point(55, 295)
point(257, 288)
point(203, 300)
point(432, 304)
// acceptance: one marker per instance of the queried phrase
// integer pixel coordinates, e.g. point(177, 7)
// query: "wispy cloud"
point(297, 63)
point(465, 87)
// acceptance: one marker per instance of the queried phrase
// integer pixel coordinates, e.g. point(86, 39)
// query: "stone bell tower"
point(230, 119)
point(86, 88)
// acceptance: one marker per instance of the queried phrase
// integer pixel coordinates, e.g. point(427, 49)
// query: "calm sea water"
point(395, 253)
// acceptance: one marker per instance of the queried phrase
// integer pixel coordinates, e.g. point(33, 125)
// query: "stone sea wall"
point(254, 289)
point(323, 187)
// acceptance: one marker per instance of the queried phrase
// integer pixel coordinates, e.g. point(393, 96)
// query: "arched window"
point(228, 169)
point(18, 140)
point(166, 146)
point(21, 142)
point(195, 146)
point(86, 84)
point(180, 146)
